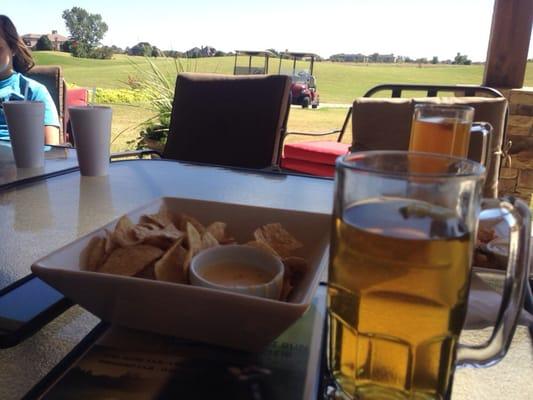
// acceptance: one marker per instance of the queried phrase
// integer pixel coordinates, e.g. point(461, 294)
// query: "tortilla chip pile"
point(481, 257)
point(162, 245)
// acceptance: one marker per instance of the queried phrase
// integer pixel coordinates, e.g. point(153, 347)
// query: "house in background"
point(30, 39)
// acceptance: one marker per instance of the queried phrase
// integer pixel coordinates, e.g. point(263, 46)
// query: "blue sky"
point(415, 28)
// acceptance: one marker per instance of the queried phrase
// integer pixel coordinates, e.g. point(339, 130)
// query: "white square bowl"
point(191, 312)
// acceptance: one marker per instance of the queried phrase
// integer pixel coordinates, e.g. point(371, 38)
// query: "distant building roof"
point(57, 37)
point(54, 36)
point(31, 36)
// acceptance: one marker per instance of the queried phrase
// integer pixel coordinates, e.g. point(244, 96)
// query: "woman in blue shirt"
point(15, 59)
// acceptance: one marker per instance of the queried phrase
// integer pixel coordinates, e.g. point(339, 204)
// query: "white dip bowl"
point(239, 269)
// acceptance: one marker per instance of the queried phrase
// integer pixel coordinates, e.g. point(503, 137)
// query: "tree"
point(116, 50)
point(87, 30)
point(141, 49)
point(435, 60)
point(156, 52)
point(67, 46)
point(44, 43)
point(102, 53)
point(461, 59)
point(172, 53)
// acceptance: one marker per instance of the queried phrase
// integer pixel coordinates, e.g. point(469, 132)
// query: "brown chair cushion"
point(381, 123)
point(228, 120)
point(51, 77)
point(385, 124)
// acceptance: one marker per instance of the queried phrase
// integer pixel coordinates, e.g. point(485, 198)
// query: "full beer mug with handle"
point(399, 274)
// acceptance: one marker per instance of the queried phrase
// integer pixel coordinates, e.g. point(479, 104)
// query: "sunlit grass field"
point(337, 83)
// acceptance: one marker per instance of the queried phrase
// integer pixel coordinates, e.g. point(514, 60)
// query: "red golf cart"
point(303, 88)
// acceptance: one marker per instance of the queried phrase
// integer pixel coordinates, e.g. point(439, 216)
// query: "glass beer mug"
point(443, 129)
point(399, 274)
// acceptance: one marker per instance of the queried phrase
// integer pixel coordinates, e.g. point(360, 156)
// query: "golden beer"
point(440, 135)
point(397, 297)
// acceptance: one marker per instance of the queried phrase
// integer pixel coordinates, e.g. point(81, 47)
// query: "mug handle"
point(518, 217)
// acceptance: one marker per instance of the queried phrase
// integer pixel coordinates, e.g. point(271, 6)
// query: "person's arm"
point(51, 134)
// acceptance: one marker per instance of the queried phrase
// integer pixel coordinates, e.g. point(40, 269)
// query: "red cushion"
point(77, 97)
point(324, 152)
point(308, 167)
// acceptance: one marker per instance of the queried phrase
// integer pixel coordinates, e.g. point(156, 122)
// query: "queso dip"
point(236, 274)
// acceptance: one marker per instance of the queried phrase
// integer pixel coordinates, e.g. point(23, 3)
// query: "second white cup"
point(91, 127)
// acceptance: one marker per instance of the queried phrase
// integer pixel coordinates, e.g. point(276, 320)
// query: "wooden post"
point(508, 44)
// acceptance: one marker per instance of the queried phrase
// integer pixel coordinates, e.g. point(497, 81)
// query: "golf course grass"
point(338, 83)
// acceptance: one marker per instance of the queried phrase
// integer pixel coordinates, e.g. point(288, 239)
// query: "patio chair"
point(315, 157)
point(376, 126)
point(227, 120)
point(385, 123)
point(52, 77)
point(77, 96)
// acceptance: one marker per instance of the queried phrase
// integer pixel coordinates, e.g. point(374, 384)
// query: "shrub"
point(157, 89)
point(67, 45)
point(80, 50)
point(118, 96)
point(141, 49)
point(44, 43)
point(102, 53)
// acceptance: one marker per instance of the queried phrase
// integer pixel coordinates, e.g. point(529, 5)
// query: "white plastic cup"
point(91, 127)
point(25, 122)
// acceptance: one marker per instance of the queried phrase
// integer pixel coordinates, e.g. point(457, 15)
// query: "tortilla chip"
point(94, 254)
point(263, 246)
point(277, 238)
point(130, 260)
point(208, 241)
point(170, 267)
point(123, 235)
point(110, 245)
point(147, 272)
point(162, 218)
point(295, 270)
point(187, 219)
point(195, 245)
point(296, 266)
point(218, 230)
point(286, 290)
point(146, 232)
point(194, 238)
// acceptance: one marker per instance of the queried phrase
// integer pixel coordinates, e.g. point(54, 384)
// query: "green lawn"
point(337, 83)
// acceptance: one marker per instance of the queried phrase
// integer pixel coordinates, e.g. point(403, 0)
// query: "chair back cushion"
point(381, 123)
point(228, 120)
point(52, 77)
point(385, 124)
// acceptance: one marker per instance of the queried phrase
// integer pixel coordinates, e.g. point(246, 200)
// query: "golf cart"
point(303, 88)
point(250, 69)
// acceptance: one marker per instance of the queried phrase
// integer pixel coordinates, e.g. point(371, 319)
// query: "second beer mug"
point(399, 274)
point(443, 129)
